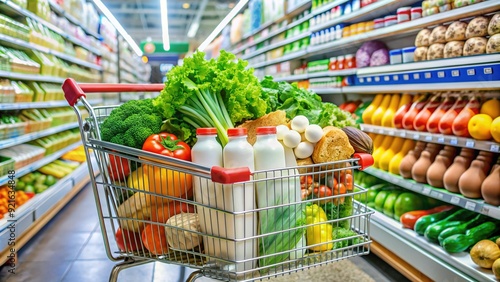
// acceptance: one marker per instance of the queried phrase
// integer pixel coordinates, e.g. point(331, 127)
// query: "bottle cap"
point(237, 132)
point(266, 130)
point(206, 131)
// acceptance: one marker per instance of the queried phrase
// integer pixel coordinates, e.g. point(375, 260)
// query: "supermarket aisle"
point(70, 248)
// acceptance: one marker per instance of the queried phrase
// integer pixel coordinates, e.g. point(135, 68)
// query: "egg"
point(299, 123)
point(313, 133)
point(281, 130)
point(291, 139)
point(304, 150)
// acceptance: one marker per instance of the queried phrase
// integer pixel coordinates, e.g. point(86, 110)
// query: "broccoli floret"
point(340, 232)
point(132, 123)
point(334, 212)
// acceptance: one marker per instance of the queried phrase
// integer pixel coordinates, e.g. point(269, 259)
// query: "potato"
point(435, 51)
point(453, 49)
point(456, 31)
point(494, 25)
point(475, 46)
point(420, 54)
point(422, 39)
point(478, 27)
point(438, 35)
point(493, 45)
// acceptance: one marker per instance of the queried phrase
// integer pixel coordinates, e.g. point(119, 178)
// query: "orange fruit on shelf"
point(495, 129)
point(491, 108)
point(479, 127)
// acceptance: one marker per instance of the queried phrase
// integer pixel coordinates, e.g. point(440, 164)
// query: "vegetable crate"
point(156, 208)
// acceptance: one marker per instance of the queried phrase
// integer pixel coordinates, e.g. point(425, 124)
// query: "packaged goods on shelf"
point(37, 119)
point(56, 142)
point(11, 126)
point(13, 28)
point(435, 7)
point(7, 91)
point(18, 61)
point(40, 8)
point(23, 92)
point(23, 154)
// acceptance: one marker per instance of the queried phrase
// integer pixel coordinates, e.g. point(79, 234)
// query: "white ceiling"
point(142, 19)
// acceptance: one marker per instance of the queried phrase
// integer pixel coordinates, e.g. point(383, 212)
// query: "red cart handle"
point(73, 91)
point(365, 160)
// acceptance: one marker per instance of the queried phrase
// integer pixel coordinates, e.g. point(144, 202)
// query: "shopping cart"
point(147, 211)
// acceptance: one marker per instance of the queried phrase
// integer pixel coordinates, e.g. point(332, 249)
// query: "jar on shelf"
point(378, 23)
point(390, 20)
point(332, 64)
point(403, 14)
point(415, 13)
point(340, 62)
point(408, 54)
point(349, 62)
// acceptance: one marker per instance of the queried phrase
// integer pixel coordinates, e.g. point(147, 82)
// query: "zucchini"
point(422, 223)
point(462, 228)
point(494, 238)
point(433, 231)
point(461, 242)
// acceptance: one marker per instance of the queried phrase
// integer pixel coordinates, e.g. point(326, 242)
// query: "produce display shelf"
point(297, 77)
point(30, 77)
point(6, 143)
point(451, 140)
point(420, 87)
point(323, 91)
point(39, 105)
point(385, 32)
point(276, 45)
point(287, 57)
point(369, 12)
point(15, 9)
point(441, 194)
point(430, 65)
point(60, 11)
point(27, 46)
point(427, 257)
point(38, 164)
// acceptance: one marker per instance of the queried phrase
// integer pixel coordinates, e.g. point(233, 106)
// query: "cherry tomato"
point(118, 167)
point(323, 191)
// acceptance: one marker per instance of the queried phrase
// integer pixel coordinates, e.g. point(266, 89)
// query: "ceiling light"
point(193, 29)
point(118, 26)
point(186, 5)
point(164, 25)
point(223, 24)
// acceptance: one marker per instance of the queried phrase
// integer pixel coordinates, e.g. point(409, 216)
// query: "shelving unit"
point(39, 105)
point(35, 135)
point(476, 73)
point(60, 11)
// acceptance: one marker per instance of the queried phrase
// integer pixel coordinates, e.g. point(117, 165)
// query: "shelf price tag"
point(485, 210)
point(402, 133)
point(436, 194)
point(428, 138)
point(469, 144)
point(427, 75)
point(415, 187)
point(387, 78)
point(381, 131)
point(495, 148)
point(426, 191)
point(453, 141)
point(441, 74)
point(416, 136)
point(470, 205)
point(455, 200)
point(455, 73)
point(406, 77)
point(391, 132)
point(488, 70)
point(440, 139)
point(471, 72)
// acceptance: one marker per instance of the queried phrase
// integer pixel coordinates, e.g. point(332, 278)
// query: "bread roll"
point(334, 146)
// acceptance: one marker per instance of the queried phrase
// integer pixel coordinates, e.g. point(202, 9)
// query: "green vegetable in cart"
point(352, 238)
point(319, 236)
point(216, 93)
point(131, 123)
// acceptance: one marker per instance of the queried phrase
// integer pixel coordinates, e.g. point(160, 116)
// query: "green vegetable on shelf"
point(423, 222)
point(461, 228)
point(461, 242)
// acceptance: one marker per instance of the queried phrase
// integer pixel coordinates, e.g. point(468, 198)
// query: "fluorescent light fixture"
point(223, 24)
point(193, 29)
point(164, 25)
point(118, 26)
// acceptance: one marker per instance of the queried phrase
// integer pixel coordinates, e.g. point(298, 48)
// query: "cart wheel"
point(127, 263)
point(194, 275)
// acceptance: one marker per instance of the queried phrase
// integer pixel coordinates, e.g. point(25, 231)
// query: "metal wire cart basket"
point(152, 214)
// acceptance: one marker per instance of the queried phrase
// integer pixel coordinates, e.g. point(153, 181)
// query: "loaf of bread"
point(272, 119)
point(334, 146)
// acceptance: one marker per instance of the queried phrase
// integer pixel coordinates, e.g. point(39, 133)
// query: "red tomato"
point(307, 180)
point(350, 107)
point(128, 241)
point(167, 144)
point(323, 191)
point(118, 167)
point(348, 181)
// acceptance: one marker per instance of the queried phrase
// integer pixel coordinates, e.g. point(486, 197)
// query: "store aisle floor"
point(70, 248)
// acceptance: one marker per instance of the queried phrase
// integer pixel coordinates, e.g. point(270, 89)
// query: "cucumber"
point(423, 222)
point(462, 228)
point(433, 231)
point(461, 242)
point(494, 238)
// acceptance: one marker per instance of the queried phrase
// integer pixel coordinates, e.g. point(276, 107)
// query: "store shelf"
point(276, 45)
point(324, 91)
point(15, 9)
point(420, 87)
point(441, 194)
point(30, 77)
point(434, 138)
point(426, 257)
point(35, 135)
point(370, 12)
point(259, 40)
point(284, 58)
point(294, 77)
point(430, 65)
point(27, 46)
point(38, 164)
point(39, 105)
point(304, 76)
point(60, 11)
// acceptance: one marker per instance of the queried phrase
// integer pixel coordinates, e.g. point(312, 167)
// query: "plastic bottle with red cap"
point(281, 188)
point(207, 152)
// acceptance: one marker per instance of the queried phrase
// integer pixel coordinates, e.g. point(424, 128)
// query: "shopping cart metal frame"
point(106, 198)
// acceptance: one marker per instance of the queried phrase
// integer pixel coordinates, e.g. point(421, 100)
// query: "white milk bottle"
point(207, 152)
point(281, 188)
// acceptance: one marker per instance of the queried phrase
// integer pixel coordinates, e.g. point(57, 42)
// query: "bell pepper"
point(319, 236)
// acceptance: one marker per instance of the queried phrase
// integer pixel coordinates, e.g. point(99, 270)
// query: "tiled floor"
point(70, 248)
